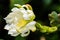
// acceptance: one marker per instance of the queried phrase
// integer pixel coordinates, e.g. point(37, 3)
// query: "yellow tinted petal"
point(33, 29)
point(21, 23)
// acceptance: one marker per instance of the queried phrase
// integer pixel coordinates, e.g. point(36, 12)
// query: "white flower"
point(20, 21)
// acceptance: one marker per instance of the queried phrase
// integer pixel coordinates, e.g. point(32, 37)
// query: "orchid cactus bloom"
point(20, 21)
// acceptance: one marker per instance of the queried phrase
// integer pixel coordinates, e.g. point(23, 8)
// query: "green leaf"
point(52, 36)
point(1, 39)
point(12, 2)
point(55, 37)
point(20, 38)
point(47, 2)
point(56, 7)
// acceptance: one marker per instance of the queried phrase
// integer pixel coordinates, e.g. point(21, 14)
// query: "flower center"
point(21, 23)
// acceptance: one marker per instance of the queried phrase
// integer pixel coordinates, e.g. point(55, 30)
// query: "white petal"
point(23, 11)
point(26, 17)
point(13, 32)
point(14, 16)
point(15, 9)
point(24, 34)
point(7, 27)
point(11, 29)
point(9, 20)
point(31, 23)
point(30, 15)
point(31, 26)
point(30, 12)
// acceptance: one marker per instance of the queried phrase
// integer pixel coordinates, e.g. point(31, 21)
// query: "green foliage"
point(47, 2)
point(12, 2)
point(20, 38)
point(1, 39)
point(56, 7)
point(53, 36)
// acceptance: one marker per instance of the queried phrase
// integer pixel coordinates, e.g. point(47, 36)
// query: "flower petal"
point(29, 16)
point(26, 33)
point(13, 32)
point(26, 17)
point(7, 27)
point(31, 26)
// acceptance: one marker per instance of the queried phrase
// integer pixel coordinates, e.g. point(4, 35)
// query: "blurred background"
point(41, 9)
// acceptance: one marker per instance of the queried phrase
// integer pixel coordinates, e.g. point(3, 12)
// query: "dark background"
point(4, 10)
point(41, 11)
